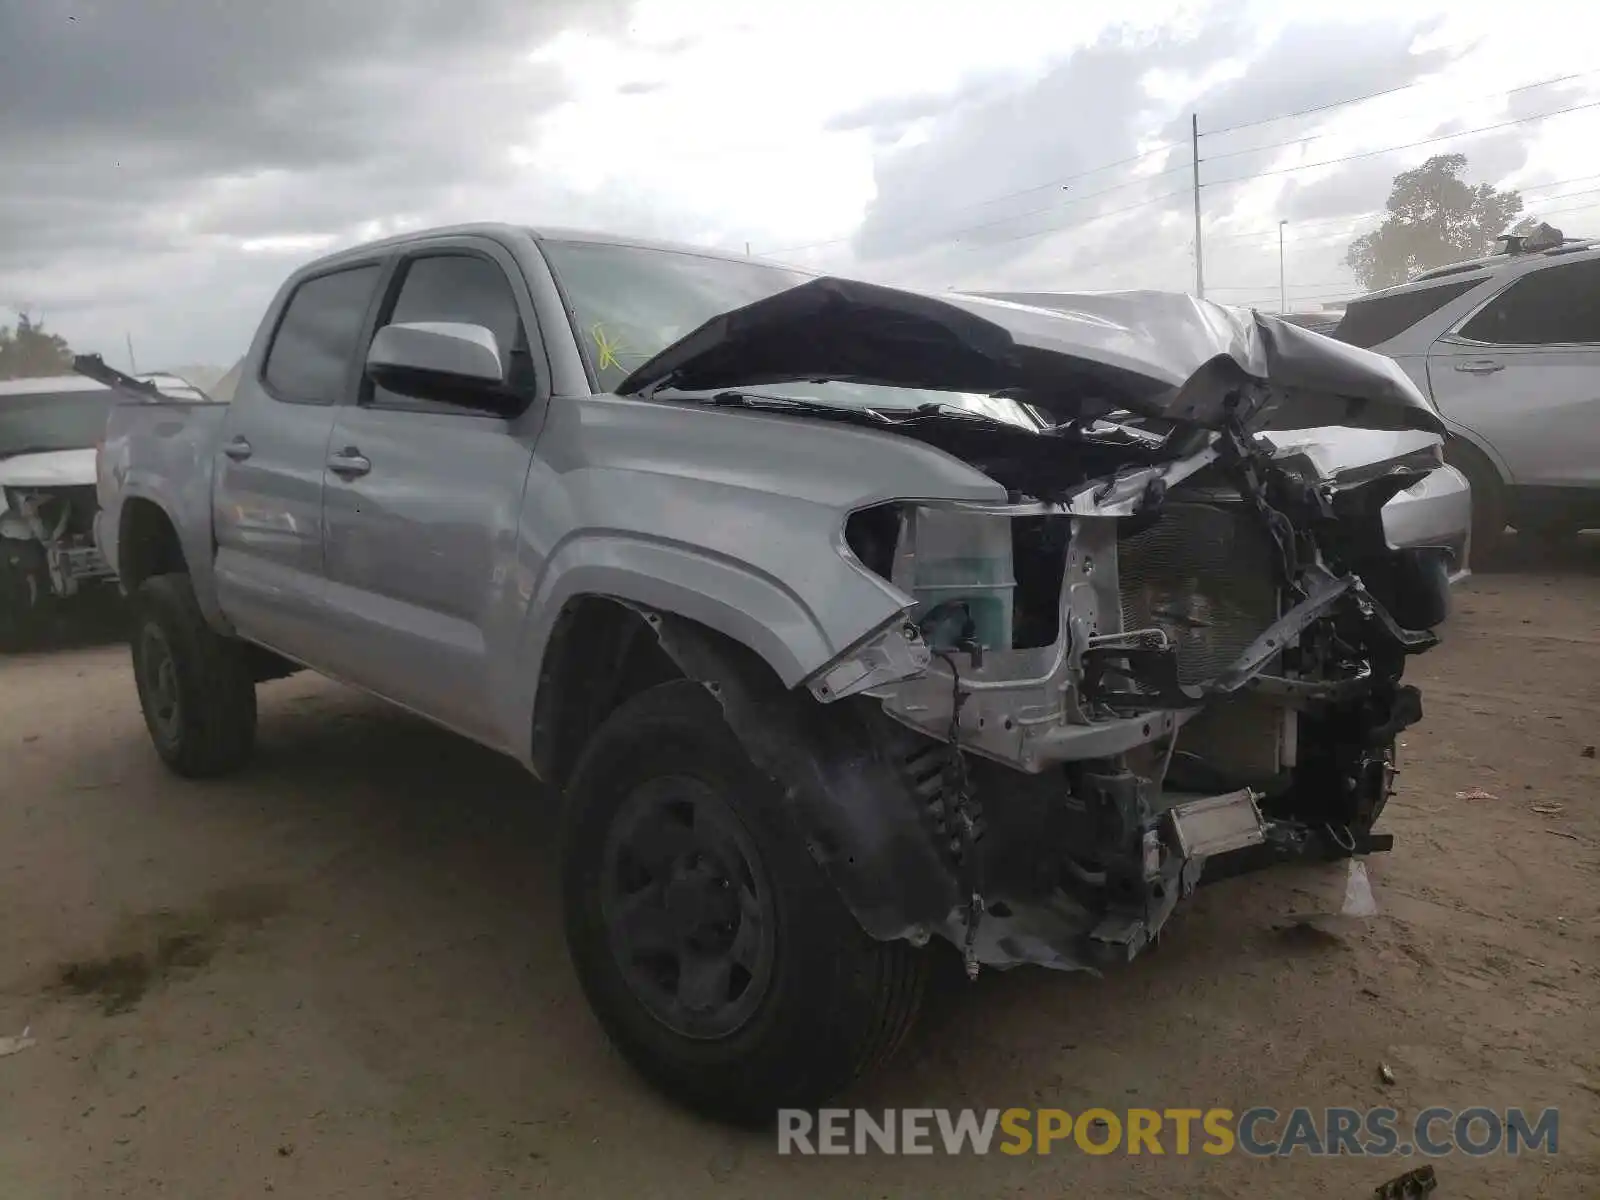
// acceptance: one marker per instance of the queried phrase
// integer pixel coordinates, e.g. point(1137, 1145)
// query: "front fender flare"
point(748, 606)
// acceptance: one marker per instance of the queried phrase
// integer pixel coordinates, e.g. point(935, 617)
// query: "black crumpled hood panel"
point(1162, 355)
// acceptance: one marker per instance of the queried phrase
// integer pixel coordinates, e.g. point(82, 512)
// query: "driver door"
point(422, 503)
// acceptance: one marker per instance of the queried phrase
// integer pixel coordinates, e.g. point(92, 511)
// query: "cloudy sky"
point(167, 162)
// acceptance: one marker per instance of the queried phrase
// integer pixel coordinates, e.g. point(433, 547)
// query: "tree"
point(29, 351)
point(1434, 219)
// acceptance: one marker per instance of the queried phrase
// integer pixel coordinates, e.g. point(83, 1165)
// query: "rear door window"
point(1556, 306)
point(311, 353)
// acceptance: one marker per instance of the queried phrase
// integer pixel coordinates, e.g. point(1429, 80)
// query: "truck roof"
point(503, 231)
point(46, 384)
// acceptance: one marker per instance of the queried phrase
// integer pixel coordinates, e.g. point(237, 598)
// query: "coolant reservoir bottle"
point(967, 557)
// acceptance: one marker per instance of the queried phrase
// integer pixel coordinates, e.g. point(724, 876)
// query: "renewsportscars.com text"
point(1258, 1132)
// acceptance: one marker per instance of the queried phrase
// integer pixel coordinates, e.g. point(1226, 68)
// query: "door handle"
point(1480, 366)
point(349, 463)
point(238, 449)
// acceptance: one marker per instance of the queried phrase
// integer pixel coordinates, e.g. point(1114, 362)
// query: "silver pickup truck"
point(845, 619)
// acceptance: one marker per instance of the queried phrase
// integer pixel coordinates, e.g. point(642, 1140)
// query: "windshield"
point(53, 421)
point(629, 303)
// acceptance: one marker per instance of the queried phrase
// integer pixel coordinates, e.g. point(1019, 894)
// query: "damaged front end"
point(1170, 676)
point(1168, 656)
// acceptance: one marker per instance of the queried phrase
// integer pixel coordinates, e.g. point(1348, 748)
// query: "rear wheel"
point(195, 686)
point(1488, 497)
point(713, 949)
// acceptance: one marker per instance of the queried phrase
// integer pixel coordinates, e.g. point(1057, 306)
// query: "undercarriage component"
point(1216, 824)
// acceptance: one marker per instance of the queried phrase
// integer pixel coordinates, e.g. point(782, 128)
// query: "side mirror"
point(441, 360)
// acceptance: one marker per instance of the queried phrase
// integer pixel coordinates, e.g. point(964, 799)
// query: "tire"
point(20, 601)
point(821, 1003)
point(195, 687)
point(1489, 516)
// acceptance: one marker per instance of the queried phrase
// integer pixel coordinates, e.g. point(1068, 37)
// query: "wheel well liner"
point(147, 543)
point(600, 653)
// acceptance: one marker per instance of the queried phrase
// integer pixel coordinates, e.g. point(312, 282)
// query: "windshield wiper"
point(938, 408)
point(888, 415)
point(765, 401)
point(38, 450)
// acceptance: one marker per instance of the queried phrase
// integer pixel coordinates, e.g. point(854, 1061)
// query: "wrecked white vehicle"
point(48, 431)
point(844, 618)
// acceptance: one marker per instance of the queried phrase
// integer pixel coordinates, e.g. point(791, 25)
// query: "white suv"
point(1508, 346)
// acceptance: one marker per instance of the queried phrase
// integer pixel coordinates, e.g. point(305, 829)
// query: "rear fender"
point(136, 499)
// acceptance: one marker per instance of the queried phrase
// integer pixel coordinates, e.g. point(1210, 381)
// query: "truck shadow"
point(1519, 555)
point(78, 626)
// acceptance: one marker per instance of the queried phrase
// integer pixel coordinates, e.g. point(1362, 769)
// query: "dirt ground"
point(340, 974)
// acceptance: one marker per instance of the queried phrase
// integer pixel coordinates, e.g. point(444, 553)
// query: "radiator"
point(1204, 575)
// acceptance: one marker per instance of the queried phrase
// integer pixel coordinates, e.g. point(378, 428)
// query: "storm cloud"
point(972, 198)
point(167, 163)
point(144, 143)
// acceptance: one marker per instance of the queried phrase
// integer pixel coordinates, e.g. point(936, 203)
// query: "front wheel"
point(713, 949)
point(195, 686)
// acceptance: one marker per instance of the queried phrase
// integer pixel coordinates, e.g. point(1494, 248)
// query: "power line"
point(1305, 112)
point(1115, 212)
point(1031, 212)
point(1294, 226)
point(959, 230)
point(1266, 231)
point(1065, 179)
point(1116, 187)
point(1406, 146)
point(1165, 147)
point(1256, 287)
point(1300, 141)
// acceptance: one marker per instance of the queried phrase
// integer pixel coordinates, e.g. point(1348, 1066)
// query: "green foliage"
point(28, 351)
point(1434, 219)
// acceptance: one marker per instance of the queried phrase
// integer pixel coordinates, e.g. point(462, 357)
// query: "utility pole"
point(133, 366)
point(1283, 289)
point(1199, 254)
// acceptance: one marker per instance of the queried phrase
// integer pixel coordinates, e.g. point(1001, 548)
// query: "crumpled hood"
point(1159, 354)
point(53, 468)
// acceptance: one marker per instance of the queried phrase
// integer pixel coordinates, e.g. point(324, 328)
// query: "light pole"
point(1283, 289)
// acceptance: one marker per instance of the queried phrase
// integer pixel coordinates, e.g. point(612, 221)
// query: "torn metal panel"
point(1162, 355)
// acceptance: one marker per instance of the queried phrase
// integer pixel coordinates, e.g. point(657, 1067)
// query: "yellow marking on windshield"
point(610, 347)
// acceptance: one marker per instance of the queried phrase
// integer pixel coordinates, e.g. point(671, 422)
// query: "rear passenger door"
point(1523, 372)
point(267, 489)
point(422, 503)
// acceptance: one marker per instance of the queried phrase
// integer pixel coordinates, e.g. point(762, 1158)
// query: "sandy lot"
point(359, 988)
